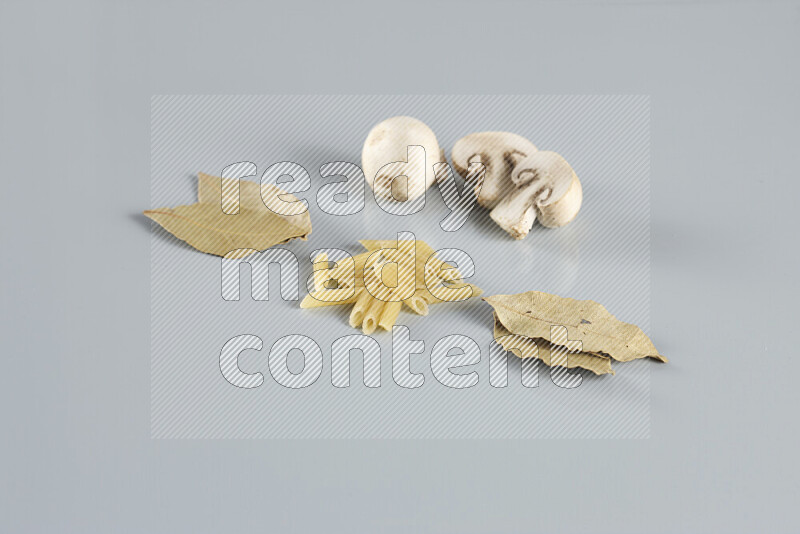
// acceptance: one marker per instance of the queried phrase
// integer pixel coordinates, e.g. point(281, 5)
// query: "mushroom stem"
point(516, 212)
point(547, 190)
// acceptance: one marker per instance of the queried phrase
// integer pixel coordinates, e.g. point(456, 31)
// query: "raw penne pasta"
point(426, 295)
point(360, 260)
point(373, 315)
point(375, 244)
point(389, 316)
point(330, 297)
point(382, 286)
point(320, 271)
point(441, 271)
point(421, 250)
point(387, 285)
point(404, 264)
point(347, 269)
point(400, 263)
point(450, 292)
point(430, 267)
point(424, 252)
point(360, 309)
point(344, 273)
point(379, 283)
point(417, 304)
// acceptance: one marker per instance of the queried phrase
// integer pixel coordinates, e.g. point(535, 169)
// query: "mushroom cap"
point(556, 211)
point(388, 143)
point(498, 151)
point(547, 190)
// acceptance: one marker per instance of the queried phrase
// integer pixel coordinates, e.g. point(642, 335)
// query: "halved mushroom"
point(547, 189)
point(498, 151)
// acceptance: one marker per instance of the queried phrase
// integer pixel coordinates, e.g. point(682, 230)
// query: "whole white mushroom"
point(390, 153)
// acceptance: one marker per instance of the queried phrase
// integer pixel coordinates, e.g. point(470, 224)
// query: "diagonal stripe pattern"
point(603, 255)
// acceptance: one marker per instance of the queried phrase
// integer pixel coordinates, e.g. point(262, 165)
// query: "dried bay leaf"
point(223, 192)
point(599, 365)
point(207, 228)
point(532, 314)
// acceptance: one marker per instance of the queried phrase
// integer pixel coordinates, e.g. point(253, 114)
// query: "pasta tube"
point(320, 271)
point(389, 316)
point(417, 304)
point(330, 297)
point(360, 309)
point(380, 282)
point(373, 315)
